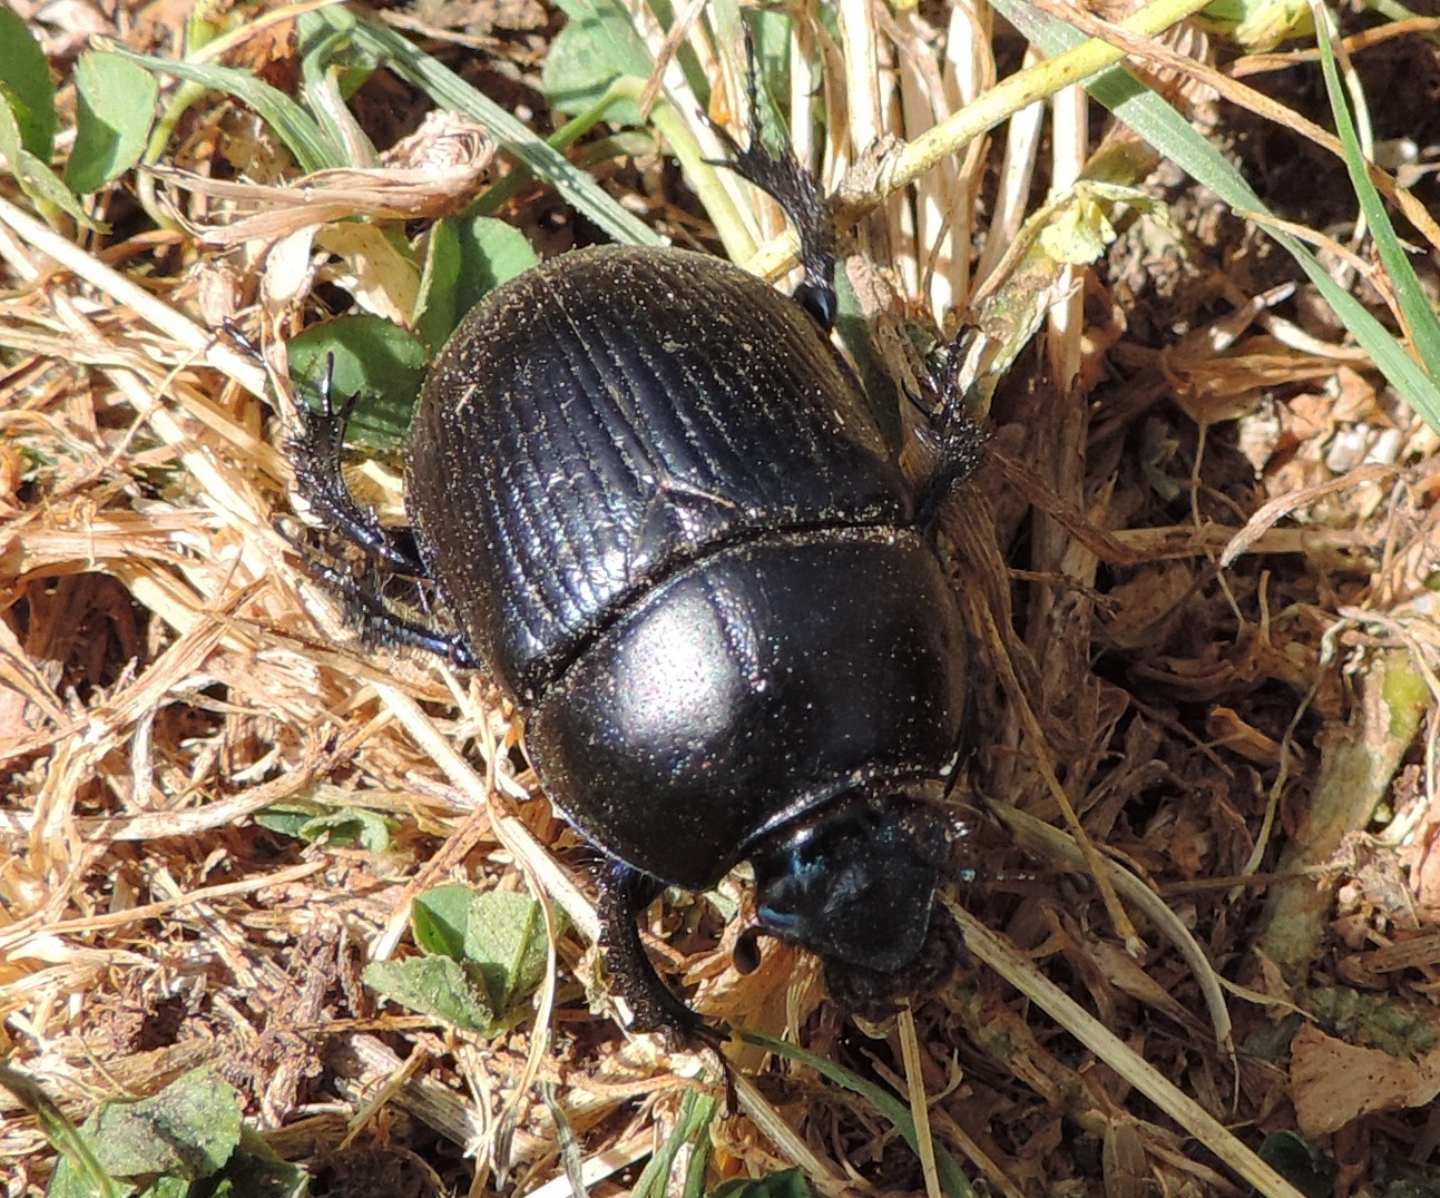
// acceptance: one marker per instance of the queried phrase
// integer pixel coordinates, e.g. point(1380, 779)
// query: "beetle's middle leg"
point(315, 449)
point(379, 623)
point(797, 191)
point(954, 443)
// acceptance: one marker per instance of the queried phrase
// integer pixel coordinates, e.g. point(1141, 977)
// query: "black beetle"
point(658, 511)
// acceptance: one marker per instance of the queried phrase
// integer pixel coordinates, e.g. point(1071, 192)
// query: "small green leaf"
point(597, 46)
point(491, 253)
point(185, 1133)
point(505, 937)
point(167, 1187)
point(1257, 25)
point(85, 1178)
point(256, 1171)
point(436, 310)
point(289, 817)
point(1374, 1020)
point(438, 919)
point(497, 936)
point(36, 179)
point(349, 827)
point(790, 1184)
point(346, 827)
point(74, 1146)
point(1072, 228)
point(189, 1129)
point(379, 361)
point(115, 104)
point(71, 1181)
point(433, 986)
point(25, 86)
point(1079, 233)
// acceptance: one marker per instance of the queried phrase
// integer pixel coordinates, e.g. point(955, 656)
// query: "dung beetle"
point(655, 507)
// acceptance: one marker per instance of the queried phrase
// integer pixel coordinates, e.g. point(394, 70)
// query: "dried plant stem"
point(1158, 54)
point(1014, 93)
point(988, 110)
point(513, 834)
point(1021, 973)
point(1022, 147)
point(919, 1104)
point(245, 371)
point(1069, 146)
point(1052, 845)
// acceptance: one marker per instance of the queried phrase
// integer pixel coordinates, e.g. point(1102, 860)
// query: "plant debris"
point(288, 907)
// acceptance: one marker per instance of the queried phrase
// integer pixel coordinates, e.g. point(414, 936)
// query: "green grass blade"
point(312, 150)
point(1419, 315)
point(952, 1177)
point(1165, 129)
point(449, 90)
point(696, 1112)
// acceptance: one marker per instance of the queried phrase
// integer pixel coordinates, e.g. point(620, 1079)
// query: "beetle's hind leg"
point(314, 449)
point(797, 191)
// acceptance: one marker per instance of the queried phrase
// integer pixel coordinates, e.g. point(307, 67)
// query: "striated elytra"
point(657, 510)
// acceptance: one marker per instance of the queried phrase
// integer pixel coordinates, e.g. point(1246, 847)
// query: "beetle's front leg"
point(624, 894)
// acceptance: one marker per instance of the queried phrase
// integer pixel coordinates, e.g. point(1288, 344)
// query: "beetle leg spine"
point(955, 441)
point(314, 449)
point(378, 622)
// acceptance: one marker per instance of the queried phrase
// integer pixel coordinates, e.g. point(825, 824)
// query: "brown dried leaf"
point(1333, 1083)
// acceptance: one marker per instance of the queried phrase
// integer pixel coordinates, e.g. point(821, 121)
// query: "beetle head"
point(854, 882)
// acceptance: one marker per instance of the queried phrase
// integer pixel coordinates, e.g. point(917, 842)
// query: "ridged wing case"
point(607, 418)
